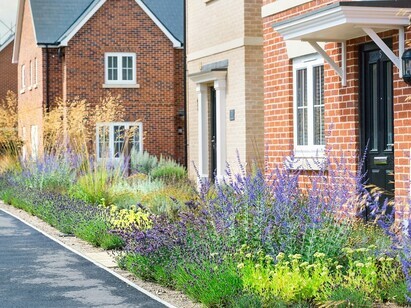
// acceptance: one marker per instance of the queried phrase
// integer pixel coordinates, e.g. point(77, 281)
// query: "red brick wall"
point(122, 26)
point(30, 101)
point(8, 71)
point(341, 103)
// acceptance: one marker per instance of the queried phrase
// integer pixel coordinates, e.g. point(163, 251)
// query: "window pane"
point(390, 133)
point(119, 132)
point(112, 68)
point(374, 106)
point(127, 68)
point(318, 101)
point(134, 138)
point(103, 141)
point(302, 117)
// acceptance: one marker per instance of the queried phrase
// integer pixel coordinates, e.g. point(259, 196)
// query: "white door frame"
point(218, 80)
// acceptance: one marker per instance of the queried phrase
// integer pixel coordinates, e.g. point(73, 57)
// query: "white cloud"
point(8, 11)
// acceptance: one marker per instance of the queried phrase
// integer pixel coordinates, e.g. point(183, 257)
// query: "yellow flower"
point(280, 256)
point(240, 265)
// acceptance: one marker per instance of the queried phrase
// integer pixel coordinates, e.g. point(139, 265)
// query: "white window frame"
point(119, 81)
point(34, 136)
point(31, 74)
point(35, 73)
point(310, 150)
point(23, 78)
point(110, 125)
point(24, 147)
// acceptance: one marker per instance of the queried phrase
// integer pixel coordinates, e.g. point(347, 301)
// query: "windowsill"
point(35, 86)
point(125, 86)
point(22, 91)
point(30, 88)
point(307, 160)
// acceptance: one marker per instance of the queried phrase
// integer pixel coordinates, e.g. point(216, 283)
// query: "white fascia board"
point(17, 39)
point(203, 77)
point(68, 35)
point(176, 43)
point(6, 43)
point(300, 29)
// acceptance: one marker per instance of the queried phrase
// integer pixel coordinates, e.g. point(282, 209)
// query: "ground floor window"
point(34, 134)
point(115, 140)
point(308, 82)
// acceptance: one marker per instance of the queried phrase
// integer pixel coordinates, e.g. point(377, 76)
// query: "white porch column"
point(220, 88)
point(202, 130)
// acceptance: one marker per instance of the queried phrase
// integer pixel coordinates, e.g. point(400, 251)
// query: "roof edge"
point(17, 40)
point(170, 36)
point(7, 42)
point(79, 23)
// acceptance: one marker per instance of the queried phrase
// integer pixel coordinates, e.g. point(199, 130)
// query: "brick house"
point(225, 85)
point(8, 70)
point(87, 48)
point(336, 66)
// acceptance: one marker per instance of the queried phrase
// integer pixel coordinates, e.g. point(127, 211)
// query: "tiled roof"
point(171, 15)
point(53, 18)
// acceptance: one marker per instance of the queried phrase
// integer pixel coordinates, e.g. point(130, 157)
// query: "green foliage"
point(151, 268)
point(94, 185)
point(347, 297)
point(169, 171)
point(97, 233)
point(214, 285)
point(290, 279)
point(142, 162)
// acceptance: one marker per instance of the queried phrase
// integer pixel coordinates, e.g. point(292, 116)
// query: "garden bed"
point(247, 242)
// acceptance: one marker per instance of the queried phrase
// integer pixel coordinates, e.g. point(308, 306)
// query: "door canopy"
point(346, 20)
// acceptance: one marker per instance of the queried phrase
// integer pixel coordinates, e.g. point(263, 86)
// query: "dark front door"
point(377, 118)
point(213, 132)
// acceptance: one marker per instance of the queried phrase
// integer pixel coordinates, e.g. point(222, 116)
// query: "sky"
point(8, 11)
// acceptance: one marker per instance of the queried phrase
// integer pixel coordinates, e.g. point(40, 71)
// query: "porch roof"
point(344, 20)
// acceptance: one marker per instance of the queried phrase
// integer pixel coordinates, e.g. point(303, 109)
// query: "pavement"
point(36, 271)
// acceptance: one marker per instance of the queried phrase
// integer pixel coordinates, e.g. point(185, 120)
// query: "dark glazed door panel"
point(378, 129)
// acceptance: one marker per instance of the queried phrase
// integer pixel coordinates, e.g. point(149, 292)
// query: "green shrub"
point(154, 268)
point(97, 233)
point(168, 170)
point(214, 285)
point(142, 162)
point(347, 297)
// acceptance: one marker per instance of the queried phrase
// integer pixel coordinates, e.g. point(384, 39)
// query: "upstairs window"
point(120, 68)
point(23, 77)
point(309, 136)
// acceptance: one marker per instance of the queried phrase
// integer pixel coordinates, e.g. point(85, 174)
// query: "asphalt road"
point(35, 271)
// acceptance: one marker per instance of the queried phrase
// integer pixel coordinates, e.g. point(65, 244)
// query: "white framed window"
point(308, 83)
point(120, 68)
point(31, 75)
point(35, 73)
point(34, 134)
point(23, 78)
point(112, 138)
point(24, 147)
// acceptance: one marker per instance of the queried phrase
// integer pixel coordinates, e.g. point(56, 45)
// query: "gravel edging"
point(176, 298)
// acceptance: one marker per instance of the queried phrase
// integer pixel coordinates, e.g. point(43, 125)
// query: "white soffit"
point(298, 49)
point(341, 23)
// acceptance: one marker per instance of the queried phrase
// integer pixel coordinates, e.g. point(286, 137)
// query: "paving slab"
point(36, 271)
